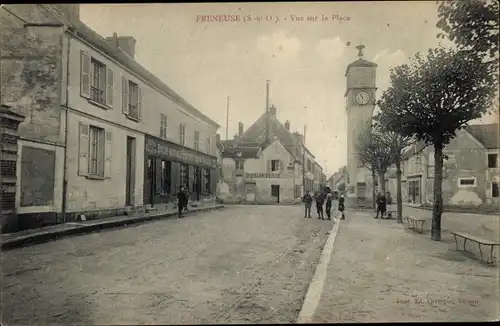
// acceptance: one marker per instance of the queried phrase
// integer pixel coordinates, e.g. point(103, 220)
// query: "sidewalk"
point(35, 236)
point(381, 272)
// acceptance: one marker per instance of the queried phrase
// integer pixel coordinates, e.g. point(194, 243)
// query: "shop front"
point(169, 165)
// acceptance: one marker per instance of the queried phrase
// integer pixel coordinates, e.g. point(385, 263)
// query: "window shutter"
point(489, 189)
point(110, 87)
point(125, 108)
point(108, 152)
point(83, 149)
point(85, 75)
point(269, 166)
point(282, 166)
point(139, 101)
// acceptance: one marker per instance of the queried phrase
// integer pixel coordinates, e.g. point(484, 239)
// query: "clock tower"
point(360, 103)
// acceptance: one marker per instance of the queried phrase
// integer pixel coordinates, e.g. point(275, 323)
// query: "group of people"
point(326, 198)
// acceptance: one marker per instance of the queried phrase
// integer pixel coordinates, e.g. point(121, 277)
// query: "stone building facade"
point(90, 111)
point(263, 165)
point(470, 173)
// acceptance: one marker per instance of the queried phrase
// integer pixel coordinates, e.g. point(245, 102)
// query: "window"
point(98, 82)
point(196, 140)
point(96, 157)
point(275, 165)
point(206, 181)
point(466, 182)
point(494, 190)
point(166, 176)
point(133, 99)
point(182, 134)
point(239, 165)
point(209, 145)
point(492, 161)
point(308, 165)
point(184, 176)
point(163, 126)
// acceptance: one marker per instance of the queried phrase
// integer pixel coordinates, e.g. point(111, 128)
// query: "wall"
point(152, 105)
point(86, 194)
point(31, 72)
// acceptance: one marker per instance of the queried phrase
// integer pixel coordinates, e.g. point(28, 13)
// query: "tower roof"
point(360, 63)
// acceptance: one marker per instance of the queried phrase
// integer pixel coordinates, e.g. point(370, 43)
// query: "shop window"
point(166, 176)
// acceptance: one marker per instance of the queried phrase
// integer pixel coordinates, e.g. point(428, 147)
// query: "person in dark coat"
point(307, 199)
point(182, 200)
point(328, 206)
point(381, 205)
point(320, 200)
point(341, 206)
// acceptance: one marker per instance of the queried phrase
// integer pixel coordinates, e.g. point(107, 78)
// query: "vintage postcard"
point(263, 163)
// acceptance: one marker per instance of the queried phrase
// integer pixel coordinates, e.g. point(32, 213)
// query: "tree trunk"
point(437, 208)
point(399, 196)
point(382, 183)
point(374, 190)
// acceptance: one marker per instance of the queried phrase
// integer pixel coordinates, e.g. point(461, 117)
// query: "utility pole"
point(267, 111)
point(227, 119)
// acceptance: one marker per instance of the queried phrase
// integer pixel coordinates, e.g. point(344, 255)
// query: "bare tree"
point(396, 143)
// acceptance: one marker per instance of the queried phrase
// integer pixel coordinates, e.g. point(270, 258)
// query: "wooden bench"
point(414, 222)
point(479, 241)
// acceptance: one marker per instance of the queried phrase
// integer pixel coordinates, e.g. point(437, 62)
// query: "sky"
point(305, 61)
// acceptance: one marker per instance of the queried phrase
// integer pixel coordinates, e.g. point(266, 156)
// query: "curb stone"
point(43, 237)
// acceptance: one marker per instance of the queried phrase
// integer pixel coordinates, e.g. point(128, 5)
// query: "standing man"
point(328, 206)
point(341, 206)
point(182, 200)
point(320, 200)
point(307, 199)
point(381, 205)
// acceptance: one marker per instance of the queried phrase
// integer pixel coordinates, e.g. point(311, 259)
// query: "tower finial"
point(360, 48)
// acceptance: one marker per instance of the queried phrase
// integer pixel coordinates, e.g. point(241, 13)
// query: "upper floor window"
point(492, 161)
point(182, 134)
point(163, 126)
point(275, 165)
point(132, 98)
point(196, 140)
point(97, 82)
point(239, 165)
point(209, 145)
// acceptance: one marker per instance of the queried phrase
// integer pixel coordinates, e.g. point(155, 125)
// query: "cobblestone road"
point(242, 264)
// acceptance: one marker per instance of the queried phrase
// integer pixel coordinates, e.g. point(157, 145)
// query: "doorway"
point(130, 172)
point(275, 192)
point(149, 183)
point(414, 191)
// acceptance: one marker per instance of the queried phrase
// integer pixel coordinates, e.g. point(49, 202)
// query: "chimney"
point(299, 137)
point(287, 125)
point(240, 129)
point(272, 110)
point(125, 43)
point(217, 138)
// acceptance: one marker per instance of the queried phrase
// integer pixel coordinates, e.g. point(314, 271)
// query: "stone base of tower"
point(358, 197)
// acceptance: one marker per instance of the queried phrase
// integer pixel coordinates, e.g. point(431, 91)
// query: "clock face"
point(362, 98)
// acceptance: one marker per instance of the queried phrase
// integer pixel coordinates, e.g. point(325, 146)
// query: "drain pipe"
point(65, 165)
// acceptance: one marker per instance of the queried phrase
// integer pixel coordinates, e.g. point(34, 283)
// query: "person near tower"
point(307, 199)
point(320, 200)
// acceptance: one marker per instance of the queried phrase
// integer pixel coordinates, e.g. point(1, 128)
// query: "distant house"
point(470, 172)
point(264, 164)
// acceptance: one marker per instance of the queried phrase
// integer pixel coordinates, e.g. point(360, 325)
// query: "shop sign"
point(153, 147)
point(262, 175)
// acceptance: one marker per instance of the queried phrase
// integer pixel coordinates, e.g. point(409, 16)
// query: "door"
point(275, 192)
point(197, 182)
point(130, 169)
